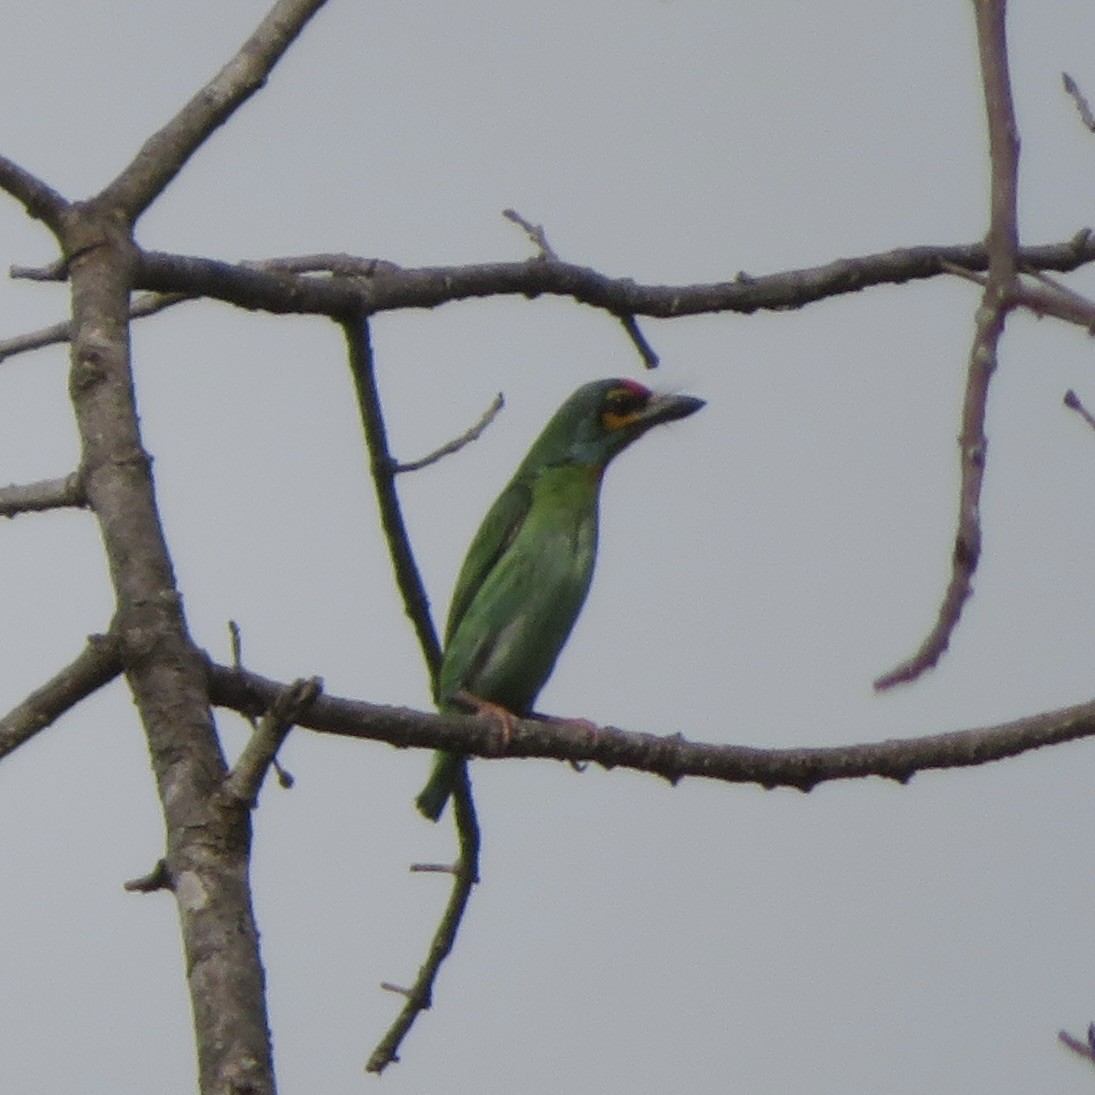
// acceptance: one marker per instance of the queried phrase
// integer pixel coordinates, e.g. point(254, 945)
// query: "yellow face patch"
point(623, 406)
point(611, 420)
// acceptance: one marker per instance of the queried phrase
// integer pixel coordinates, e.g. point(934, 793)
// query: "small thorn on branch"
point(1072, 401)
point(159, 878)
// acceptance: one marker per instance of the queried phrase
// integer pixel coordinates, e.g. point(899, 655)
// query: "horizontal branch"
point(672, 757)
point(42, 495)
point(387, 287)
point(97, 664)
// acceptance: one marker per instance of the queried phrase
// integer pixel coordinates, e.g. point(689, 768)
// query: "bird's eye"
point(622, 401)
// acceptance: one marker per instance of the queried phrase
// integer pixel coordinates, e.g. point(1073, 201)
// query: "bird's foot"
point(507, 720)
point(586, 726)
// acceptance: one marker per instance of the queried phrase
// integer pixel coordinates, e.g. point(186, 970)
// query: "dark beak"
point(668, 408)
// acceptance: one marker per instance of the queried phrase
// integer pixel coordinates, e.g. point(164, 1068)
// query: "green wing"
point(499, 529)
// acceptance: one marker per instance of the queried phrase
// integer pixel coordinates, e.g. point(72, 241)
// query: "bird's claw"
point(507, 720)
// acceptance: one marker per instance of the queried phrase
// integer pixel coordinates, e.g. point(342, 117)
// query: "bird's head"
point(600, 420)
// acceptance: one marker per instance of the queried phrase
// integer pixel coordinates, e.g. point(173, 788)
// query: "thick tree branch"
point(389, 288)
point(163, 155)
point(207, 849)
point(672, 757)
point(376, 285)
point(997, 301)
point(97, 664)
point(42, 495)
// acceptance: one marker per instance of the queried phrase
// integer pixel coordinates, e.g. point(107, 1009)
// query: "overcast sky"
point(760, 564)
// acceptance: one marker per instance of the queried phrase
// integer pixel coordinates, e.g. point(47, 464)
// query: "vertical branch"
point(466, 870)
point(208, 848)
point(465, 875)
point(383, 469)
point(997, 300)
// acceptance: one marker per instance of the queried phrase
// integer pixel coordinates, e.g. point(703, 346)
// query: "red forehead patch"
point(635, 387)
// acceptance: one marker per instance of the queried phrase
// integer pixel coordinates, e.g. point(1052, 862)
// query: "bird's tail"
point(447, 769)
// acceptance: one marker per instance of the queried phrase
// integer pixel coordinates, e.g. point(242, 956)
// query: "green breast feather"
point(522, 588)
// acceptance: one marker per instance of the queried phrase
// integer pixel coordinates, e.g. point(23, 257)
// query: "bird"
point(529, 567)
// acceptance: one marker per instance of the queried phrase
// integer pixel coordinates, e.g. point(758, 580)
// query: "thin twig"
point(146, 304)
point(1085, 1048)
point(997, 301)
point(235, 637)
point(646, 351)
point(382, 466)
point(1082, 105)
point(45, 494)
point(242, 784)
point(536, 233)
point(469, 435)
point(1049, 298)
point(96, 665)
point(465, 875)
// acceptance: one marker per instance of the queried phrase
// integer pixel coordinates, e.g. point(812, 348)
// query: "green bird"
point(529, 566)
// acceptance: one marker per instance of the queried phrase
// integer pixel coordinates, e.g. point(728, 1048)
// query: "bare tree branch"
point(163, 155)
point(376, 285)
point(1084, 1047)
point(672, 757)
point(465, 875)
point(392, 287)
point(472, 433)
point(96, 665)
point(1083, 107)
point(1049, 298)
point(383, 468)
point(42, 495)
point(997, 301)
point(40, 201)
point(536, 233)
point(245, 779)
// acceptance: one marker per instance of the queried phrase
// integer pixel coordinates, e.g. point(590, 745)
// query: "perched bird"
point(529, 566)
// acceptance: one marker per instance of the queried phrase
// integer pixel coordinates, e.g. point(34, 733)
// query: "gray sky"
point(760, 563)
